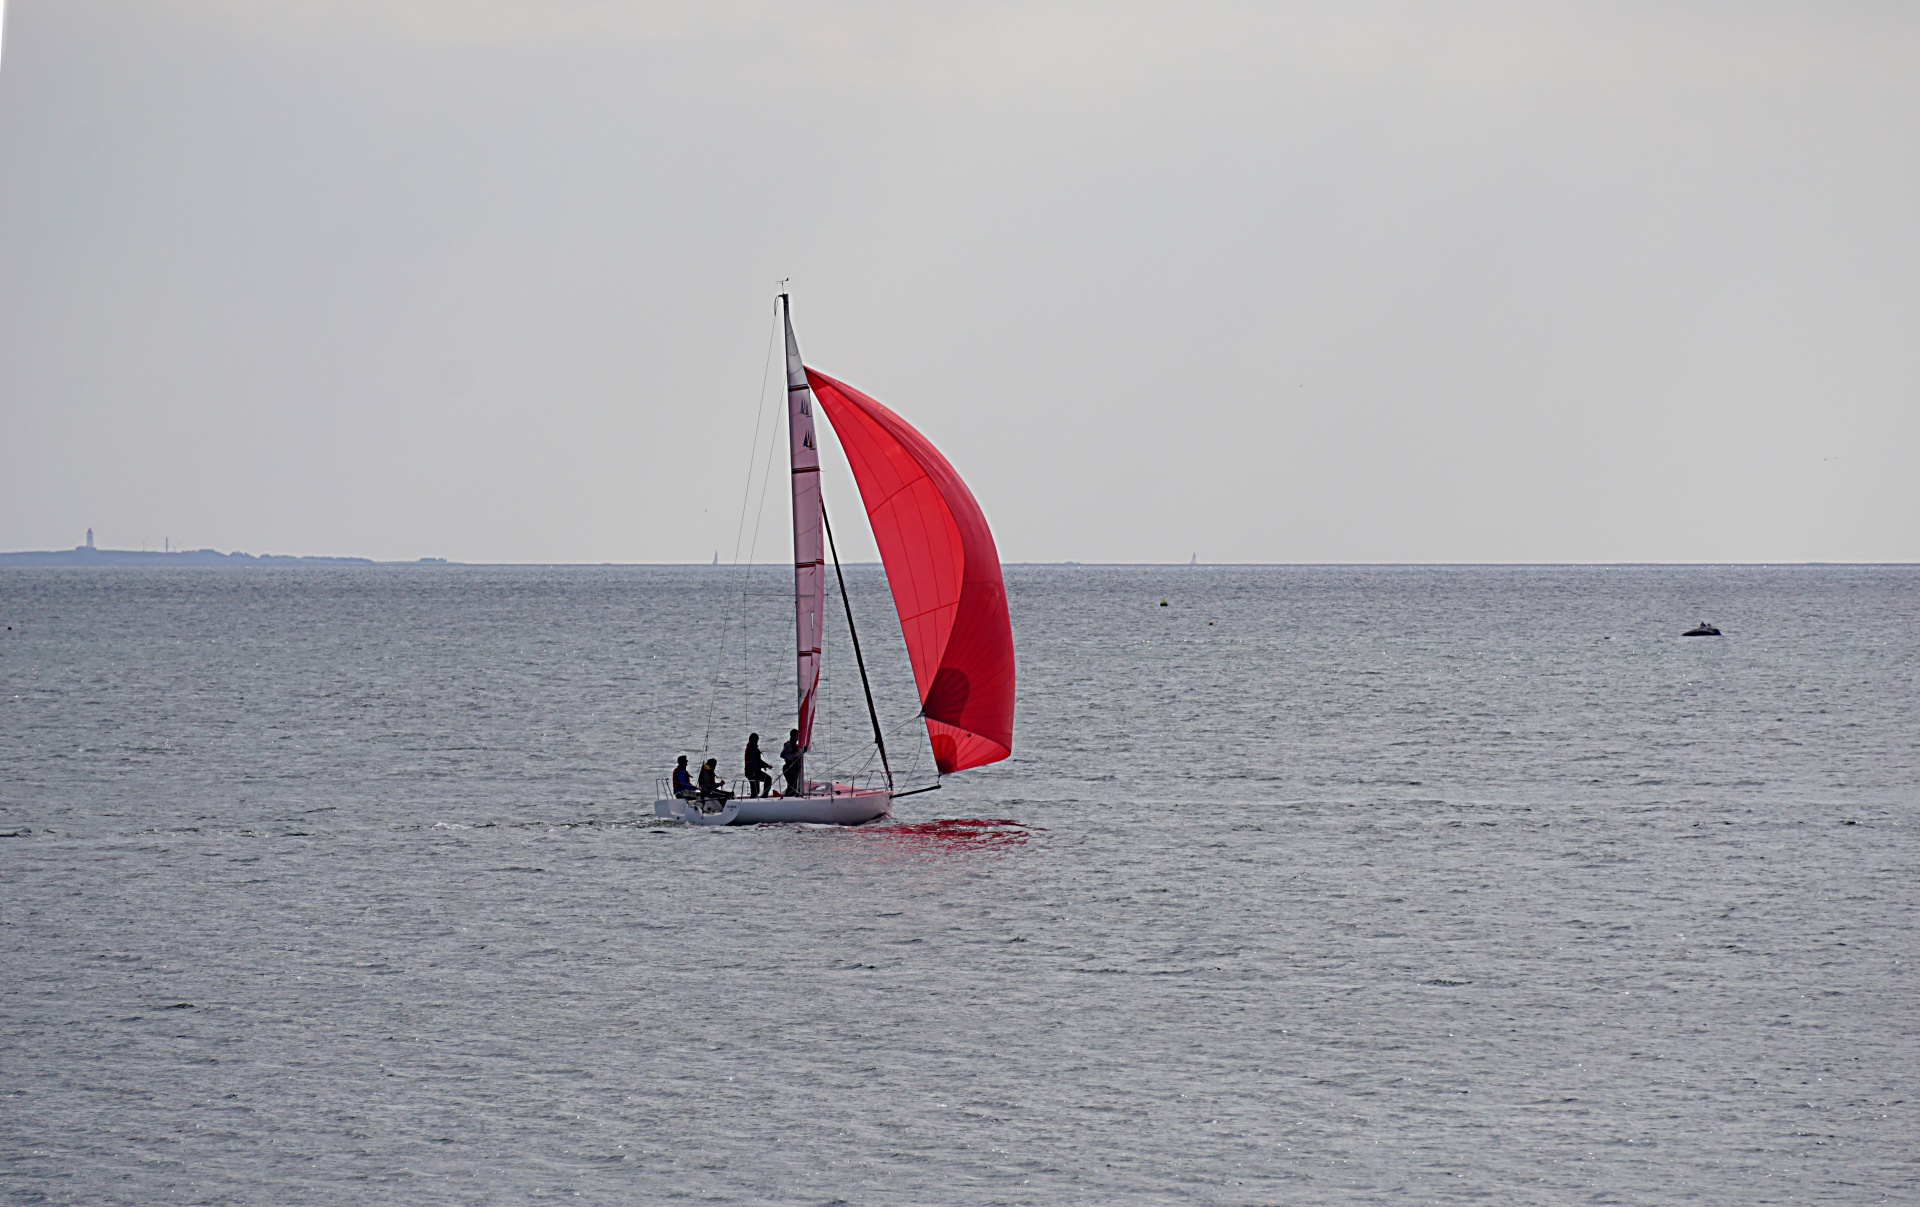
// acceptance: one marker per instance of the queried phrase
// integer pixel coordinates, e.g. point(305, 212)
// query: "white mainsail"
point(809, 545)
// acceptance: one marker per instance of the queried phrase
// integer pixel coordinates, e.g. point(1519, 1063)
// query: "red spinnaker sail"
point(944, 572)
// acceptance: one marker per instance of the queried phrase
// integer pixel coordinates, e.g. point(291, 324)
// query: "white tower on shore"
point(89, 538)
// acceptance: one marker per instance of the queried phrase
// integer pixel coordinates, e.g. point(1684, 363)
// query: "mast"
point(809, 550)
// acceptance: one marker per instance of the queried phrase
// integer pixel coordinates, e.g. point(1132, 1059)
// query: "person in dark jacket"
point(710, 782)
point(683, 782)
point(760, 783)
point(792, 759)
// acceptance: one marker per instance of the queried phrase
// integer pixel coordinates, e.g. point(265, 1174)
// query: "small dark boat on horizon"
point(1703, 629)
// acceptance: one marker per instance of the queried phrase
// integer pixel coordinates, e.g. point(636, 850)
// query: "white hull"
point(846, 807)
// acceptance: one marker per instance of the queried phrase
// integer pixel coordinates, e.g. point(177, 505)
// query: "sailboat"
point(944, 574)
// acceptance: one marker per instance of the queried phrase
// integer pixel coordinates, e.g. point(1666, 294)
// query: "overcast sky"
point(493, 281)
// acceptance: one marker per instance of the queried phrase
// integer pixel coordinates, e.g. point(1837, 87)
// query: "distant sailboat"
point(944, 572)
point(1194, 560)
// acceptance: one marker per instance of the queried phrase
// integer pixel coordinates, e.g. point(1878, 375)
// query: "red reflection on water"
point(955, 833)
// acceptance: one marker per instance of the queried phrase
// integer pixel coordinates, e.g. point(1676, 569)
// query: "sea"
point(1304, 884)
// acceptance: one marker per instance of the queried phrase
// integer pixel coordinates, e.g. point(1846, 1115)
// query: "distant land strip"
point(86, 556)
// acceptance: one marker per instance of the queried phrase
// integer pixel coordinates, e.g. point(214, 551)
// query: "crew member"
point(792, 758)
point(710, 782)
point(759, 782)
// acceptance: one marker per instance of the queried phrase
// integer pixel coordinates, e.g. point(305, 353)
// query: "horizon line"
point(193, 558)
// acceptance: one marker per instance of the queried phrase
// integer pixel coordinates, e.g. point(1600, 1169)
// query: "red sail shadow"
point(953, 833)
point(944, 571)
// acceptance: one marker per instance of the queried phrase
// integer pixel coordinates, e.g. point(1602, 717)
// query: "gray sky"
point(1342, 282)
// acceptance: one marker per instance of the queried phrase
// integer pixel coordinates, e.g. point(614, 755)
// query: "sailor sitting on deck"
point(710, 783)
point(683, 782)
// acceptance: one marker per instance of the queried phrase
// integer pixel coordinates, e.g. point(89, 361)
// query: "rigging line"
point(879, 739)
point(759, 518)
point(753, 546)
point(744, 572)
point(843, 765)
point(766, 476)
point(753, 453)
point(766, 481)
point(746, 496)
point(734, 605)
